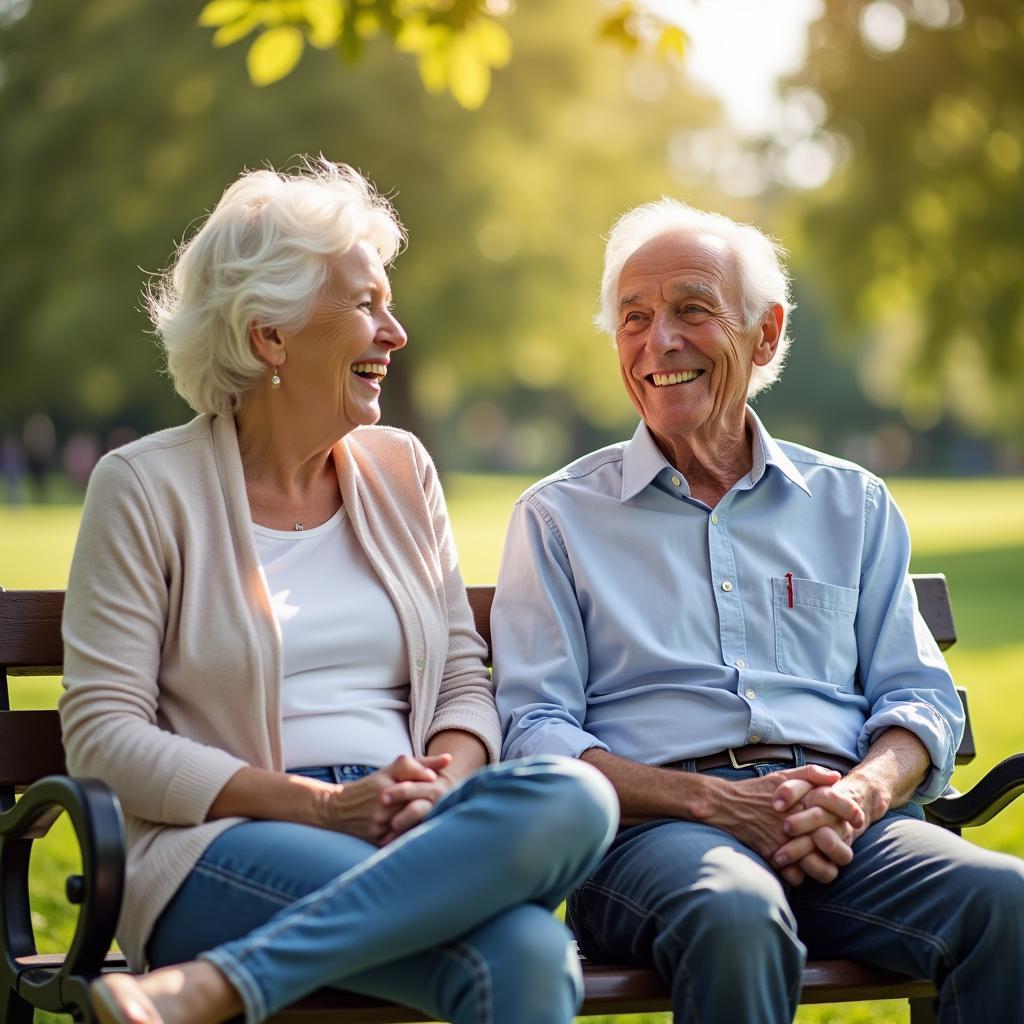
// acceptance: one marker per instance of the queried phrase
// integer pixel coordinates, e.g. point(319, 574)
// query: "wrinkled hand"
point(411, 798)
point(748, 812)
point(822, 822)
point(357, 808)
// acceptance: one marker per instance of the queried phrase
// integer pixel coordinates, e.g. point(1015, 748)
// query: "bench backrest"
point(30, 645)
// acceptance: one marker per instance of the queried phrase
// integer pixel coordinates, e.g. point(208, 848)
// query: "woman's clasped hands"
point(381, 806)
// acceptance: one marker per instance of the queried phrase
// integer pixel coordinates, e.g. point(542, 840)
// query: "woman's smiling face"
point(340, 356)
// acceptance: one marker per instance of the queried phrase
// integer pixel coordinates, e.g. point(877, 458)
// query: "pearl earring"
point(275, 380)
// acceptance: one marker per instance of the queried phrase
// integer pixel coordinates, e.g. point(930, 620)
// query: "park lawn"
point(970, 529)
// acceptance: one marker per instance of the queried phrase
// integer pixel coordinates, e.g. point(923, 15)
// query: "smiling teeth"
point(377, 369)
point(663, 379)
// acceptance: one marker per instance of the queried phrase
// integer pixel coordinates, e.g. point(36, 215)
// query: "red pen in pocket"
point(789, 588)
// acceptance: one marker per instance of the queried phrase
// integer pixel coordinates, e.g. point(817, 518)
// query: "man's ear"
point(267, 344)
point(771, 334)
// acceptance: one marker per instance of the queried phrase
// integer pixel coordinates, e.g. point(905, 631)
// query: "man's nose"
point(664, 335)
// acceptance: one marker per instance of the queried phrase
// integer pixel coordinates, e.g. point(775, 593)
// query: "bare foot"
point(119, 999)
point(192, 993)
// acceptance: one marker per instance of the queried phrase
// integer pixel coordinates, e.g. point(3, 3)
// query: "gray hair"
point(261, 257)
point(759, 259)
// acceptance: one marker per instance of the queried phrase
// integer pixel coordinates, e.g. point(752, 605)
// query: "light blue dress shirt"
point(631, 617)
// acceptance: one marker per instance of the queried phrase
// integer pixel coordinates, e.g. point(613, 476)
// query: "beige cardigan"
point(172, 661)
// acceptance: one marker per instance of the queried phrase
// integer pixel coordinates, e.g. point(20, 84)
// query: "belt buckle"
point(749, 764)
point(738, 764)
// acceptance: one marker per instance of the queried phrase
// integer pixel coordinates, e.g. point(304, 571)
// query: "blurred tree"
point(122, 125)
point(456, 43)
point(919, 239)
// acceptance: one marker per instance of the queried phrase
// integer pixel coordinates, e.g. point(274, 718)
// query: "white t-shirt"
point(345, 698)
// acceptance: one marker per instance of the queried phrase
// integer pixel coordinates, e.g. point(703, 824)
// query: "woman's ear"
point(267, 344)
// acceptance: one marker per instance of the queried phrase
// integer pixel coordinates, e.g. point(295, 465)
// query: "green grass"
point(972, 530)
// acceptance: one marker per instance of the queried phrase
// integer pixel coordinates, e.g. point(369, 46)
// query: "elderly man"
point(724, 625)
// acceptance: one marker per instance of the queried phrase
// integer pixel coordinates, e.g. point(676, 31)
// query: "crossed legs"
point(454, 918)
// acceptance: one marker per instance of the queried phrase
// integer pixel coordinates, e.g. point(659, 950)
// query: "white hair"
point(760, 261)
point(260, 257)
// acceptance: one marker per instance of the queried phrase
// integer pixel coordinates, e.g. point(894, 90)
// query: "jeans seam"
point(247, 986)
point(245, 884)
point(949, 961)
point(316, 900)
point(648, 914)
point(479, 973)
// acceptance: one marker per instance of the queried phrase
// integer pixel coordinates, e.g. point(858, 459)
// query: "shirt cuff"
point(931, 729)
point(196, 784)
point(550, 738)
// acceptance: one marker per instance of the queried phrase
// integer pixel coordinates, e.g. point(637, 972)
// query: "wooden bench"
point(32, 763)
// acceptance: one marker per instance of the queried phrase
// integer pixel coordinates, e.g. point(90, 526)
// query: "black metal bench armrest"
point(95, 816)
point(982, 802)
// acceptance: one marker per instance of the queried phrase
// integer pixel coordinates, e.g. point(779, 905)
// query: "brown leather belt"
point(772, 753)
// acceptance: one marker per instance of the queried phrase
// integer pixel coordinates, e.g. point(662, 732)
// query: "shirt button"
point(755, 738)
point(714, 518)
point(751, 695)
point(740, 663)
point(419, 663)
point(676, 481)
point(726, 586)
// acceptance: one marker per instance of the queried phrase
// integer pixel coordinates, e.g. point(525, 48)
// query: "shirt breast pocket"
point(815, 638)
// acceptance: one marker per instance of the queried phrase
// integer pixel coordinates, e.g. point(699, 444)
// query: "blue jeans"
point(452, 918)
point(730, 938)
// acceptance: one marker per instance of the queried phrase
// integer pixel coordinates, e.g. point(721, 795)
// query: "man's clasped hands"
point(802, 821)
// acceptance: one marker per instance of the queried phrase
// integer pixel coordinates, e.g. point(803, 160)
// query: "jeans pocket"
point(814, 630)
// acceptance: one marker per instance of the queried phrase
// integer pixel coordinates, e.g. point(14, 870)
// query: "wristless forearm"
point(272, 796)
point(647, 792)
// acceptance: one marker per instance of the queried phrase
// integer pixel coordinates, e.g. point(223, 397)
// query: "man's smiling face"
point(685, 352)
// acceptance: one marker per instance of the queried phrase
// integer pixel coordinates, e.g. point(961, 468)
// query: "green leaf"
point(367, 24)
point(469, 76)
point(324, 18)
point(417, 35)
point(220, 12)
point(433, 67)
point(672, 42)
point(617, 28)
point(492, 42)
point(273, 54)
point(231, 33)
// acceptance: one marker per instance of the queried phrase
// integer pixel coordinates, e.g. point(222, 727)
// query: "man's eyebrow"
point(694, 288)
point(628, 300)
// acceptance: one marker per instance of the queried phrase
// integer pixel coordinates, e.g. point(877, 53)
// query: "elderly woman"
point(271, 659)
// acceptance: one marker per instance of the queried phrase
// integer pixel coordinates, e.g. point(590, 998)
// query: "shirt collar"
point(768, 452)
point(642, 459)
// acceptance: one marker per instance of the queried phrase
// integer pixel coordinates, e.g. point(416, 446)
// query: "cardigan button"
point(419, 663)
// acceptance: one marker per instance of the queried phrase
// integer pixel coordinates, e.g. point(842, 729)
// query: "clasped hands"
point(381, 806)
point(803, 821)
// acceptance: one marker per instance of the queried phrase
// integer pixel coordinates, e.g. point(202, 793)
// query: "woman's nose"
point(392, 332)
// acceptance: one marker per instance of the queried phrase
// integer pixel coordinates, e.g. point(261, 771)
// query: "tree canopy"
point(919, 239)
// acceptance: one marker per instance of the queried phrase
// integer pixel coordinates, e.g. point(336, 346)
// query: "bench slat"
point(608, 990)
point(30, 747)
point(30, 640)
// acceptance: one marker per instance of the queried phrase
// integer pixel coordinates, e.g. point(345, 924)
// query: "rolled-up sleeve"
point(903, 673)
point(539, 642)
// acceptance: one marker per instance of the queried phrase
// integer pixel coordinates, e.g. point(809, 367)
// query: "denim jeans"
point(452, 918)
point(730, 938)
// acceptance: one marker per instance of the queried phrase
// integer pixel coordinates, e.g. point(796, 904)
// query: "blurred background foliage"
point(890, 165)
